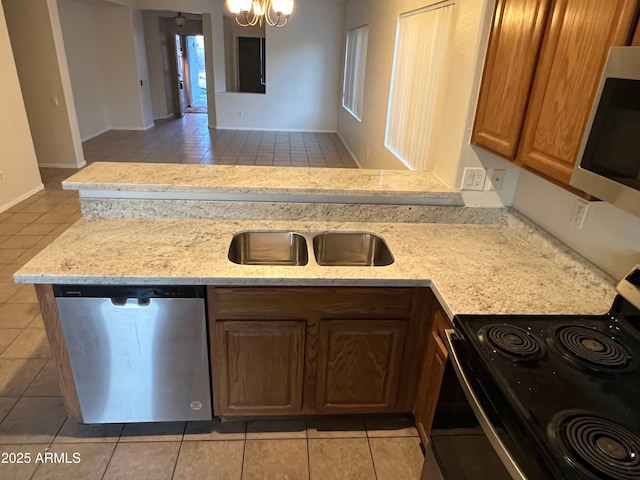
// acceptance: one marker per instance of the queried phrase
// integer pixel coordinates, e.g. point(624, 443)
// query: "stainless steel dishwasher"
point(138, 354)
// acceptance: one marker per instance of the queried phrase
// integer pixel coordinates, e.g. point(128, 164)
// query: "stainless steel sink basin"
point(268, 248)
point(351, 249)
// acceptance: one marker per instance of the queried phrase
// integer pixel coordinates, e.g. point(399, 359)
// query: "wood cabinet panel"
point(297, 302)
point(512, 56)
point(258, 367)
point(368, 361)
point(59, 352)
point(573, 54)
point(635, 41)
point(432, 371)
point(359, 365)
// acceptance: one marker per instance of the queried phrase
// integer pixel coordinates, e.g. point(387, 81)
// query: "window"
point(354, 67)
point(418, 85)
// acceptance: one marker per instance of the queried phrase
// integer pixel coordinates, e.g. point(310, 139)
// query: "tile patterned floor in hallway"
point(33, 421)
point(189, 140)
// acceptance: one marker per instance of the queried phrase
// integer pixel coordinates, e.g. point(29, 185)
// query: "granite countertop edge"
point(472, 269)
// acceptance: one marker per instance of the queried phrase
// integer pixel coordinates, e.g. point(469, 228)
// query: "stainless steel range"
point(541, 397)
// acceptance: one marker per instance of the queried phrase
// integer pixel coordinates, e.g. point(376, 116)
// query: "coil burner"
point(599, 448)
point(592, 349)
point(513, 342)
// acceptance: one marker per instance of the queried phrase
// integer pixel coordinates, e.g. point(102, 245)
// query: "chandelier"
point(249, 13)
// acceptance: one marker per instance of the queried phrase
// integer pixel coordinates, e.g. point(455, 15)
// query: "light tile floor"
point(33, 421)
point(189, 140)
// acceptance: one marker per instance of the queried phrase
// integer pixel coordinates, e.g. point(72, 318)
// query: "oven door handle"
point(489, 430)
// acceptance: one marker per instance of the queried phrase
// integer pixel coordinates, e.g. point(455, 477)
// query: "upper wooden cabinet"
point(511, 61)
point(559, 66)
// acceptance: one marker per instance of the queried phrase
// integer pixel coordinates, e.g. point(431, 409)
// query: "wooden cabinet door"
point(359, 365)
point(573, 54)
point(433, 366)
point(512, 56)
point(258, 367)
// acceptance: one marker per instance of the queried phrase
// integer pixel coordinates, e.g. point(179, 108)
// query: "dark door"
point(251, 63)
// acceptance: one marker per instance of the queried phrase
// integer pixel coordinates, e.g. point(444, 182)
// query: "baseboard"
point(137, 129)
point(62, 165)
point(22, 197)
point(353, 157)
point(93, 135)
point(169, 115)
point(301, 130)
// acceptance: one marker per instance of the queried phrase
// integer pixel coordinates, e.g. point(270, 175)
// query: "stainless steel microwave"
point(608, 165)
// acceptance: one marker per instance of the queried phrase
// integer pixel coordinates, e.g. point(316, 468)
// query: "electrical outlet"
point(579, 213)
point(473, 179)
point(495, 179)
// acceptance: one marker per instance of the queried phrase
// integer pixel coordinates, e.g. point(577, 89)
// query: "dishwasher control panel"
point(129, 291)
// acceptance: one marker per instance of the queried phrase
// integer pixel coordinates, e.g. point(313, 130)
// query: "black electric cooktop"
point(572, 382)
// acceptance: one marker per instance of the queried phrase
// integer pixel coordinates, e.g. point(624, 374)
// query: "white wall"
point(304, 64)
point(159, 66)
point(452, 150)
point(42, 69)
point(106, 61)
point(143, 69)
point(119, 67)
point(82, 45)
point(18, 162)
point(609, 238)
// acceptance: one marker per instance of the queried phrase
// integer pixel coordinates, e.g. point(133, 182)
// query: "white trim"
point(142, 129)
point(261, 129)
point(94, 135)
point(353, 156)
point(62, 165)
point(22, 197)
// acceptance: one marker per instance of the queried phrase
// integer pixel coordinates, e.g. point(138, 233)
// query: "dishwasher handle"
point(124, 301)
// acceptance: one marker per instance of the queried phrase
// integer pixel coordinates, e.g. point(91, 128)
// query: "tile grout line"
point(175, 465)
point(373, 463)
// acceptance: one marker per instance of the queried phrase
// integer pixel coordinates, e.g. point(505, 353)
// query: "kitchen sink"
point(351, 249)
point(269, 248)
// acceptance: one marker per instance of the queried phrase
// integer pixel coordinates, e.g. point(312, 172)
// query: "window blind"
point(354, 70)
point(418, 82)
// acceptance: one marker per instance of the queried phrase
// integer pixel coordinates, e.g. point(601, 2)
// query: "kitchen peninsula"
point(173, 225)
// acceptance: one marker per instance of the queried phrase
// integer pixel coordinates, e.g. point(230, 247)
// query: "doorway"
point(192, 76)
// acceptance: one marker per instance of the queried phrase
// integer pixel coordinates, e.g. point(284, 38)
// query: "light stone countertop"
point(481, 269)
point(167, 179)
